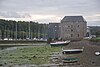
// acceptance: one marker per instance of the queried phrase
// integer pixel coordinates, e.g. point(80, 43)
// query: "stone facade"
point(73, 28)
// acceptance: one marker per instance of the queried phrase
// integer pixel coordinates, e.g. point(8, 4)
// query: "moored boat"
point(60, 43)
point(72, 51)
point(70, 60)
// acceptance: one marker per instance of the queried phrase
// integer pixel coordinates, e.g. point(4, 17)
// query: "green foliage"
point(95, 30)
point(8, 29)
point(97, 39)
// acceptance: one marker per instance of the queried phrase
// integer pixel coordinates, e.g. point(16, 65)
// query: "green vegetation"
point(97, 39)
point(28, 55)
point(95, 30)
point(9, 29)
point(19, 42)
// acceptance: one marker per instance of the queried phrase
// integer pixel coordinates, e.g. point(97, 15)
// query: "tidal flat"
point(27, 55)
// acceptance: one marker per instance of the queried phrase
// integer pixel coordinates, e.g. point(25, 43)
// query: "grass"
point(28, 55)
point(20, 41)
point(97, 39)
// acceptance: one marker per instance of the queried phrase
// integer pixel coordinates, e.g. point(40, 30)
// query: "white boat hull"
point(72, 51)
point(60, 43)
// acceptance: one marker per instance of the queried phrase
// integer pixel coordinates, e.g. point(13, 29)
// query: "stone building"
point(53, 30)
point(73, 28)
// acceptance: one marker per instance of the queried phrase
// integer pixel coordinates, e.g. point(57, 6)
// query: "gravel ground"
point(87, 57)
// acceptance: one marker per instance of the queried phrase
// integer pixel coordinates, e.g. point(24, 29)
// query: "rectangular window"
point(78, 26)
point(71, 35)
point(68, 26)
point(77, 35)
point(71, 30)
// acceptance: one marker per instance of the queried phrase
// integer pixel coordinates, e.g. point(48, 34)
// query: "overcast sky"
point(50, 10)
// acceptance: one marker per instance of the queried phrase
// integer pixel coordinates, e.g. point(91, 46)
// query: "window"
point(68, 26)
point(71, 30)
point(71, 35)
point(78, 35)
point(78, 26)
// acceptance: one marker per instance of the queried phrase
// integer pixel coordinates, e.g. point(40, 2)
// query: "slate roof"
point(73, 19)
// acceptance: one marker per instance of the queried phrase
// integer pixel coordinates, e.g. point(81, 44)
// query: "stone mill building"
point(73, 28)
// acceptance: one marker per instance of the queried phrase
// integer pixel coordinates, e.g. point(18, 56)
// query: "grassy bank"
point(97, 39)
point(28, 55)
point(20, 41)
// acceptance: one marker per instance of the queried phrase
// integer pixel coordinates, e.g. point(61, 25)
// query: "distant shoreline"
point(12, 43)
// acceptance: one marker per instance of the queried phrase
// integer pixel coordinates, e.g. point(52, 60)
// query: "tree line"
point(22, 29)
point(95, 30)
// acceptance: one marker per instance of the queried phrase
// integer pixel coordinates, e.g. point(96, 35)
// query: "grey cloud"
point(6, 14)
point(9, 14)
point(93, 23)
point(15, 8)
point(39, 4)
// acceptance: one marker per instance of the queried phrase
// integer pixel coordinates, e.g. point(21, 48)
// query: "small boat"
point(72, 51)
point(70, 60)
point(60, 43)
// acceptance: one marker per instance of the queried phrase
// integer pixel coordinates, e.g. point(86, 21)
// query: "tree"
point(8, 29)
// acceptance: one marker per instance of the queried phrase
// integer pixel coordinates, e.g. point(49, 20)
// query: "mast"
point(5, 33)
point(16, 30)
point(0, 34)
point(29, 30)
point(38, 32)
point(44, 31)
